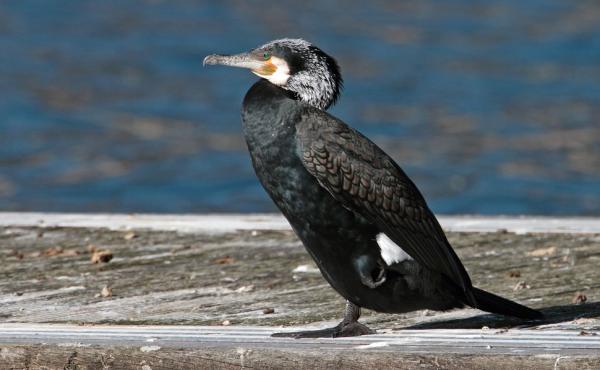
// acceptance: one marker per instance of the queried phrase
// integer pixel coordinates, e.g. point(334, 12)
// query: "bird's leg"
point(349, 327)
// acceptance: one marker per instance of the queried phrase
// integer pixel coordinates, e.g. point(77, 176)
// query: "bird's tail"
point(492, 303)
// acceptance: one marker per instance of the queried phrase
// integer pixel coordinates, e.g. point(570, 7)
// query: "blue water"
point(490, 106)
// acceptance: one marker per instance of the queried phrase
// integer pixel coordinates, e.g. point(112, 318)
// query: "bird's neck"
point(267, 113)
point(314, 90)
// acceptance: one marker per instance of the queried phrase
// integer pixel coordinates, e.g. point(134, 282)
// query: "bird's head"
point(294, 65)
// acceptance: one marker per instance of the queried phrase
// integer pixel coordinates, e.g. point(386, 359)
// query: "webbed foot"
point(349, 327)
point(352, 329)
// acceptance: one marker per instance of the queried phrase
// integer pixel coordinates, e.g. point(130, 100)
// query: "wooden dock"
point(207, 291)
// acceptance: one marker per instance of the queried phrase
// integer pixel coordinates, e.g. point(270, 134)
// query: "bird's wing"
point(367, 181)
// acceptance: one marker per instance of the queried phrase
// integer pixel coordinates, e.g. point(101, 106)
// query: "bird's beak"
point(250, 61)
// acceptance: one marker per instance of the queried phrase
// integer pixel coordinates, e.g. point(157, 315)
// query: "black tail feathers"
point(492, 303)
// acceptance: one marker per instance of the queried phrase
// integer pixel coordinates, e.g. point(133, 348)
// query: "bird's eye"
point(266, 55)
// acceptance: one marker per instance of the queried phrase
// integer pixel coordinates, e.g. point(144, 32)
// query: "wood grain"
point(203, 279)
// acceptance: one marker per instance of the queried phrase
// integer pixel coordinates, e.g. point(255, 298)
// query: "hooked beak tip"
point(209, 60)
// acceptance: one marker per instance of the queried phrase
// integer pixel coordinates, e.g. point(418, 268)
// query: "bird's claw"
point(368, 280)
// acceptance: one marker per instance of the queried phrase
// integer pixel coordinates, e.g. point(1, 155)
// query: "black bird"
point(360, 217)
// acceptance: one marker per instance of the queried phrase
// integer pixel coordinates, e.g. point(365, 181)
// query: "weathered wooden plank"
point(27, 345)
point(72, 357)
point(232, 222)
point(474, 341)
point(167, 277)
point(240, 275)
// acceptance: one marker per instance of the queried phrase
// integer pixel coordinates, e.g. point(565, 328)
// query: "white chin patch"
point(281, 74)
point(390, 251)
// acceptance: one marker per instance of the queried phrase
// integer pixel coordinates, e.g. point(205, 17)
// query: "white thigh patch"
point(390, 251)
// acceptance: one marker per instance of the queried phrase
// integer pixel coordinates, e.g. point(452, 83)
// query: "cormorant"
point(360, 217)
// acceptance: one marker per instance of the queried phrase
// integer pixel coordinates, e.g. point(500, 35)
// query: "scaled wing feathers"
point(366, 180)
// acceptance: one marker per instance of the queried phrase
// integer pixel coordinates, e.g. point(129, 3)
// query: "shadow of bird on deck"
point(552, 315)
